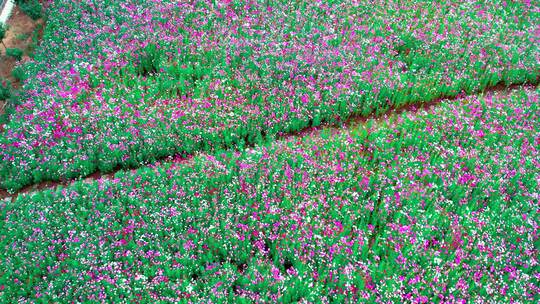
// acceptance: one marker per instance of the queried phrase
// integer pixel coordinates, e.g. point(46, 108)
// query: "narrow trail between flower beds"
point(352, 121)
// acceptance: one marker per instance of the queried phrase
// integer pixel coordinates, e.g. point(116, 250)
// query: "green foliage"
point(22, 36)
point(35, 40)
point(16, 53)
point(197, 77)
point(32, 8)
point(5, 89)
point(332, 217)
point(148, 60)
point(19, 73)
point(3, 30)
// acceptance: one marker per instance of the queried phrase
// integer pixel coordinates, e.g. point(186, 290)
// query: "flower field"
point(118, 84)
point(439, 205)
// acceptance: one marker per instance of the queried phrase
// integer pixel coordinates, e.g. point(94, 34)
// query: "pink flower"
point(288, 172)
point(305, 99)
point(276, 274)
point(404, 229)
point(291, 271)
point(189, 245)
point(365, 182)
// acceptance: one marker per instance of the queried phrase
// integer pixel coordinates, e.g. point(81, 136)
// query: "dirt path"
point(351, 122)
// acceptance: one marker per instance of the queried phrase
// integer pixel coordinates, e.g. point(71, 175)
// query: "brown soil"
point(19, 35)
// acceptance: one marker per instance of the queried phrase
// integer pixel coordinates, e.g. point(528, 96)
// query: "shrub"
point(35, 41)
point(18, 73)
point(5, 89)
point(3, 30)
point(32, 8)
point(15, 53)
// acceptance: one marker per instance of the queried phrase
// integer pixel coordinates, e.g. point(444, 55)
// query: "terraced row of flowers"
point(121, 83)
point(439, 205)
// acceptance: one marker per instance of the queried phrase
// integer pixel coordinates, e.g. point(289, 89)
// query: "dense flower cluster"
point(122, 83)
point(439, 205)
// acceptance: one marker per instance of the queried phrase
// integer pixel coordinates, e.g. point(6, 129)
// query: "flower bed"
point(123, 83)
point(438, 205)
